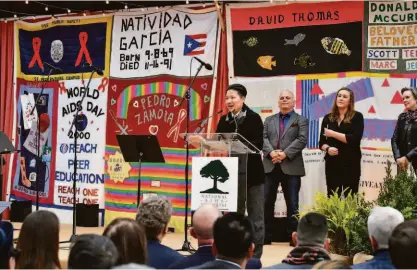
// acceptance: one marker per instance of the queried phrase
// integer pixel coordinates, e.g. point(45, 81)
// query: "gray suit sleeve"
point(300, 142)
point(267, 147)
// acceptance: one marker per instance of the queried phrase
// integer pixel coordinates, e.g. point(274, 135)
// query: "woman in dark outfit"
point(249, 125)
point(404, 139)
point(340, 137)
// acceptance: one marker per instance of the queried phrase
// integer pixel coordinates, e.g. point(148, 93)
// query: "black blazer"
point(251, 128)
point(217, 265)
point(203, 255)
point(404, 140)
point(349, 153)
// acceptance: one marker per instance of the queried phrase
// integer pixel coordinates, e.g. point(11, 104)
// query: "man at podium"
point(241, 119)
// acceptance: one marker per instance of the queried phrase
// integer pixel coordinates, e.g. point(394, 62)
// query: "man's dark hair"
point(312, 230)
point(91, 251)
point(233, 235)
point(403, 245)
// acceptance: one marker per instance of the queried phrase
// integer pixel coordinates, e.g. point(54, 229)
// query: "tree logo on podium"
point(217, 172)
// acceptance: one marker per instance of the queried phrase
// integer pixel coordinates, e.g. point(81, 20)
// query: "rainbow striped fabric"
point(121, 196)
point(133, 91)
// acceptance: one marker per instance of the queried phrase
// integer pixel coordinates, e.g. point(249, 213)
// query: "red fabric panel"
point(6, 90)
point(222, 79)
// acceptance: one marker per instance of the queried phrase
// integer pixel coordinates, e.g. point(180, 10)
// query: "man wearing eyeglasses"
point(285, 137)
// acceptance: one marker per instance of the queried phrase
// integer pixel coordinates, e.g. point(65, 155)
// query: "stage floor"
point(272, 253)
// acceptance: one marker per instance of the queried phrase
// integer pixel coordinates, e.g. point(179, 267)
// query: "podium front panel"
point(242, 182)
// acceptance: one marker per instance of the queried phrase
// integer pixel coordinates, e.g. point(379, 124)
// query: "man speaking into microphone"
point(241, 119)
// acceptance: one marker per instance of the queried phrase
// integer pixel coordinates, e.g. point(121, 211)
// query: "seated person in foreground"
point(203, 221)
point(311, 244)
point(91, 251)
point(130, 240)
point(403, 245)
point(233, 242)
point(154, 215)
point(381, 222)
point(333, 264)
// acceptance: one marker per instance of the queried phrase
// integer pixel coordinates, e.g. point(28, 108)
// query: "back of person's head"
point(130, 240)
point(38, 243)
point(203, 221)
point(332, 264)
point(381, 222)
point(154, 214)
point(132, 266)
point(403, 245)
point(91, 251)
point(312, 230)
point(233, 236)
point(6, 243)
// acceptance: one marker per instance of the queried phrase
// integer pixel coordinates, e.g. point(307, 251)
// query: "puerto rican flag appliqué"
point(194, 44)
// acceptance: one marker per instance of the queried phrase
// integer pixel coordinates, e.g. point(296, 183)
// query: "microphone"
point(206, 65)
point(53, 67)
point(207, 118)
point(96, 69)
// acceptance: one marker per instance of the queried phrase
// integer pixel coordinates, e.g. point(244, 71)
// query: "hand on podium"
point(195, 140)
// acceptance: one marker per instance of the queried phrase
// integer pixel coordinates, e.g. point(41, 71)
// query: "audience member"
point(333, 264)
point(403, 245)
point(310, 241)
point(6, 243)
point(233, 242)
point(203, 222)
point(91, 251)
point(130, 240)
point(132, 266)
point(154, 215)
point(381, 222)
point(38, 243)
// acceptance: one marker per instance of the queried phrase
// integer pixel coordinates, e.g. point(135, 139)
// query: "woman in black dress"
point(248, 124)
point(340, 137)
point(404, 139)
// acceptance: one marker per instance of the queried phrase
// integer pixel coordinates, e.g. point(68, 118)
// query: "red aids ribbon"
point(83, 51)
point(104, 83)
point(176, 128)
point(36, 44)
point(61, 88)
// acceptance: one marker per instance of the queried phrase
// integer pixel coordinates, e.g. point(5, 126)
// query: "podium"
point(224, 157)
point(140, 148)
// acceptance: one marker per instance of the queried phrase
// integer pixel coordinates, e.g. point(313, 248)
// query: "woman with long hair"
point(38, 242)
point(404, 139)
point(340, 137)
point(130, 240)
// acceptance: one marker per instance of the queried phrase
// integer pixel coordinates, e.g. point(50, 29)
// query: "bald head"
point(286, 101)
point(203, 220)
point(286, 93)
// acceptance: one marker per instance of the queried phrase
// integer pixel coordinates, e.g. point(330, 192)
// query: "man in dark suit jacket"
point(154, 215)
point(285, 137)
point(233, 242)
point(203, 221)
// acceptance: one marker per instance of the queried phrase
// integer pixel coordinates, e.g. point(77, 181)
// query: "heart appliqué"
point(153, 129)
point(112, 101)
point(114, 88)
point(204, 86)
point(136, 104)
point(206, 99)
